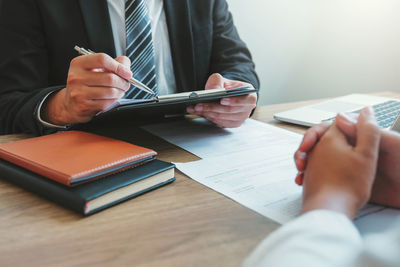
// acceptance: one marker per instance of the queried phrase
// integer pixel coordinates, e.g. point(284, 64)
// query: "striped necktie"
point(139, 47)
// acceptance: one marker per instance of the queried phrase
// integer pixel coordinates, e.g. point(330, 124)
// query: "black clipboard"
point(169, 107)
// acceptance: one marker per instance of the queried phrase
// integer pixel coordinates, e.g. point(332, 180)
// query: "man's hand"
point(94, 82)
point(386, 190)
point(310, 139)
point(345, 122)
point(339, 176)
point(230, 112)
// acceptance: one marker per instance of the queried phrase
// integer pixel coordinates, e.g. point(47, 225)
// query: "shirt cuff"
point(313, 239)
point(45, 123)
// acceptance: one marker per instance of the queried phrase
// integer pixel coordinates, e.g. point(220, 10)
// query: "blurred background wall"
point(307, 49)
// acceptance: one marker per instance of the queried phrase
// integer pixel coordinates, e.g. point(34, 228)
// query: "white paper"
point(260, 179)
point(254, 166)
point(264, 182)
point(205, 139)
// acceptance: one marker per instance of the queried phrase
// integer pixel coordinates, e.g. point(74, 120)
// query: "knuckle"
point(253, 97)
point(75, 96)
point(216, 75)
point(110, 79)
point(229, 109)
point(126, 86)
point(102, 59)
point(372, 128)
point(126, 60)
point(116, 93)
point(370, 154)
point(73, 79)
point(217, 116)
point(310, 131)
point(211, 116)
point(327, 138)
point(74, 62)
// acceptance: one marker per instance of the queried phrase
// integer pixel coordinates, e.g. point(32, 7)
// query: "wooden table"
point(182, 224)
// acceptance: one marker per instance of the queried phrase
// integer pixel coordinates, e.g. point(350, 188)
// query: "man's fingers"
point(215, 81)
point(124, 61)
point(102, 61)
point(347, 125)
point(300, 159)
point(102, 79)
point(231, 84)
point(313, 135)
point(97, 93)
point(368, 134)
point(299, 179)
point(245, 100)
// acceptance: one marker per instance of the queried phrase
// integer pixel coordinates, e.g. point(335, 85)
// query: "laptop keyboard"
point(386, 113)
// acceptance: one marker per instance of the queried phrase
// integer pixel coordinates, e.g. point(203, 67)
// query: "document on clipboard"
point(143, 111)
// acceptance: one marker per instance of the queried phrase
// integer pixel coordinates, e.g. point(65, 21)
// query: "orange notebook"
point(74, 157)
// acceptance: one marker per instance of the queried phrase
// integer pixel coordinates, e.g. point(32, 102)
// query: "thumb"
point(368, 134)
point(337, 136)
point(347, 125)
point(216, 81)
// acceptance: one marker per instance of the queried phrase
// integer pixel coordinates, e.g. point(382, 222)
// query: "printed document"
point(254, 166)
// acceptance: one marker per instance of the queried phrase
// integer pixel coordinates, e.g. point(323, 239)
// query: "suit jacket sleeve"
point(23, 67)
point(230, 55)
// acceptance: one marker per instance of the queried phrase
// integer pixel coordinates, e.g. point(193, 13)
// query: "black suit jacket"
point(37, 38)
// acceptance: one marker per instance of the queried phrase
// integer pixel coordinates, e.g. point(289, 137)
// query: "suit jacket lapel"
point(98, 26)
point(181, 39)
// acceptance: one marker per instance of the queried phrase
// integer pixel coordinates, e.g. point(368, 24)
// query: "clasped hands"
point(345, 164)
point(96, 81)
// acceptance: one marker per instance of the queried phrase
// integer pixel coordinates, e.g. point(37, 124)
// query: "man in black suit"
point(44, 86)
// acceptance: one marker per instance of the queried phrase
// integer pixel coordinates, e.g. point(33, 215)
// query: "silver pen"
point(133, 81)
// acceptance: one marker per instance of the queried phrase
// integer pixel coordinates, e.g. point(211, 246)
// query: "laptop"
point(387, 110)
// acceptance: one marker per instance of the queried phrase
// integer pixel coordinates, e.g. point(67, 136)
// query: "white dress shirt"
point(326, 238)
point(162, 48)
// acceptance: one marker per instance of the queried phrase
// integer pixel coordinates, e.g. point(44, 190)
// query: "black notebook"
point(94, 196)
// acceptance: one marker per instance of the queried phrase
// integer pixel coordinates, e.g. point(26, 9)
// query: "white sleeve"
point(380, 249)
point(317, 238)
point(45, 123)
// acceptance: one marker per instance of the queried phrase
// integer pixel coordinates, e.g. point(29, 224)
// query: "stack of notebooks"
point(82, 171)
